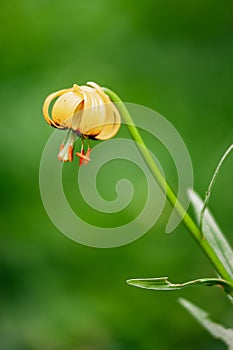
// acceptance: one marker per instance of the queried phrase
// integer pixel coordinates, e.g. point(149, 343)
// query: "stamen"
point(82, 157)
point(61, 148)
point(66, 148)
point(70, 153)
point(88, 156)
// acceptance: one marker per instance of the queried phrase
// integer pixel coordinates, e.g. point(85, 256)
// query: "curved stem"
point(188, 221)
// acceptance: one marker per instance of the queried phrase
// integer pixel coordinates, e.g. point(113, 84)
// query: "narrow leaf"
point(212, 233)
point(162, 283)
point(212, 182)
point(216, 329)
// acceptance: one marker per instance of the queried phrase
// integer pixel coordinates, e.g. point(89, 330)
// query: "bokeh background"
point(173, 56)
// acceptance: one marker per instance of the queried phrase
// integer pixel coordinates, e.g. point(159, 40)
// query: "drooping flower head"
point(87, 112)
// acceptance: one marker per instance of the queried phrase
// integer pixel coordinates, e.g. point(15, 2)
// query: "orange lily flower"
point(87, 112)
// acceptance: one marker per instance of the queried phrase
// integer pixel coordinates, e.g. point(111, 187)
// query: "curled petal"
point(65, 107)
point(46, 105)
point(94, 112)
point(112, 119)
point(112, 124)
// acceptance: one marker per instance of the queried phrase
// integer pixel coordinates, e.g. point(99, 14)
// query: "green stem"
point(188, 221)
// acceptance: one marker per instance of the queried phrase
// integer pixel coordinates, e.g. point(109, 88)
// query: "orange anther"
point(82, 157)
point(70, 153)
point(88, 156)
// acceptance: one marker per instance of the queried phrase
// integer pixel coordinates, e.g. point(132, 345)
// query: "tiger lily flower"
point(87, 112)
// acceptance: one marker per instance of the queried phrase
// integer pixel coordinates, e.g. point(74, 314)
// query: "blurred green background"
point(173, 56)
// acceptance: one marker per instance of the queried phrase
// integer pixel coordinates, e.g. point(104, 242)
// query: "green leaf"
point(212, 182)
point(212, 233)
point(216, 329)
point(162, 283)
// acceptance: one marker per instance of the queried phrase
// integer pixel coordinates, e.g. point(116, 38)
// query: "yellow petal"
point(112, 123)
point(46, 105)
point(66, 107)
point(112, 119)
point(94, 112)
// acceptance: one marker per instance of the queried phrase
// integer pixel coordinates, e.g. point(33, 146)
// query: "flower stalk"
point(194, 230)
